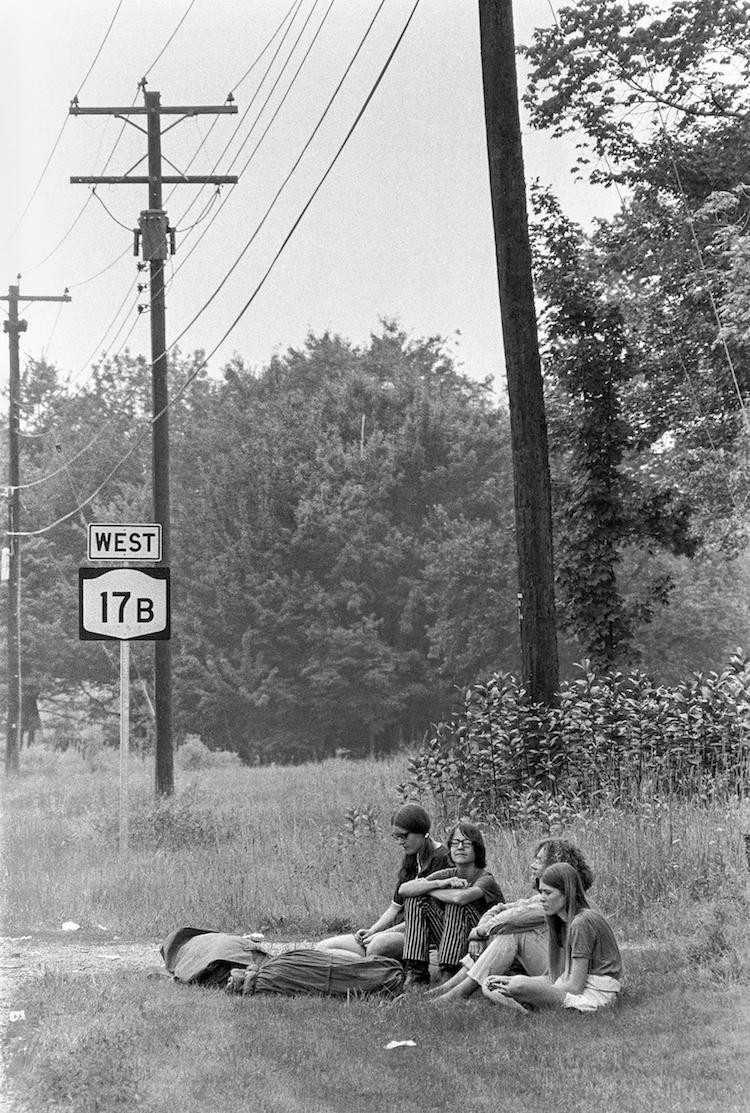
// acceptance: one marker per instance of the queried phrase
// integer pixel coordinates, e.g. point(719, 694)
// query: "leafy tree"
point(344, 472)
point(604, 499)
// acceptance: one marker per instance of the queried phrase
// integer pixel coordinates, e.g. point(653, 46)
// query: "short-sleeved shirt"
point(491, 893)
point(591, 937)
point(437, 858)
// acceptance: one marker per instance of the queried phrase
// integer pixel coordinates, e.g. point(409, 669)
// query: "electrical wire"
point(280, 105)
point(196, 371)
point(252, 66)
point(296, 7)
point(283, 185)
point(85, 281)
point(60, 134)
point(108, 212)
point(101, 47)
point(169, 40)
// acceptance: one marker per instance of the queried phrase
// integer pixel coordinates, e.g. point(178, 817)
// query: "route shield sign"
point(124, 604)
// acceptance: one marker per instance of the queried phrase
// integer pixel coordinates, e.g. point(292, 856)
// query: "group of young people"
point(551, 949)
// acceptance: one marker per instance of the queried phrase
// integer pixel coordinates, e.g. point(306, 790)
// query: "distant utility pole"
point(153, 232)
point(13, 326)
point(531, 478)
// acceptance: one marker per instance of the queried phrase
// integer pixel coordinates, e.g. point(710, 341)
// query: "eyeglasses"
point(460, 842)
point(401, 836)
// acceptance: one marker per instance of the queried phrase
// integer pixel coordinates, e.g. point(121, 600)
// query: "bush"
point(612, 739)
point(193, 754)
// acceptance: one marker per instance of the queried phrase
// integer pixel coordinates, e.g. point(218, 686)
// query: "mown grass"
point(127, 1042)
point(300, 852)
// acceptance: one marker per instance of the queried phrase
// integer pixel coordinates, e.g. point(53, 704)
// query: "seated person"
point(410, 826)
point(584, 962)
point(441, 909)
point(512, 938)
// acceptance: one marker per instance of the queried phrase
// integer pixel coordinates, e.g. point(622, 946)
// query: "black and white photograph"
point(375, 557)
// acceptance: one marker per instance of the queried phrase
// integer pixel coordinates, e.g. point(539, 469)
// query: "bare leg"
point(460, 992)
point(445, 987)
point(346, 943)
point(521, 990)
point(536, 991)
point(387, 944)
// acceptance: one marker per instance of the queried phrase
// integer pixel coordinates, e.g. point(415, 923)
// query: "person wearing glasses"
point(423, 855)
point(512, 938)
point(442, 908)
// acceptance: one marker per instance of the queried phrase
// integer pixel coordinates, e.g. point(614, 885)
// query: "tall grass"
point(302, 851)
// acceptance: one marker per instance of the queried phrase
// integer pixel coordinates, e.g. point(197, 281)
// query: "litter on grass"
point(71, 925)
point(399, 1043)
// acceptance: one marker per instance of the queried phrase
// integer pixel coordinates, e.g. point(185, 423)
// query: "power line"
point(101, 47)
point(296, 6)
point(60, 133)
point(283, 185)
point(196, 371)
point(169, 40)
point(248, 71)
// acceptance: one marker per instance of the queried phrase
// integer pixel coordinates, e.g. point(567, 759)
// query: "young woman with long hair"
point(512, 936)
point(584, 965)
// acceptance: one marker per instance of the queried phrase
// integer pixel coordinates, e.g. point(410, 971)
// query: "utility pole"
point(14, 327)
point(153, 233)
point(531, 478)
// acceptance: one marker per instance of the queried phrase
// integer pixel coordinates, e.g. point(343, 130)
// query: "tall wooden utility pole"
point(14, 327)
point(531, 478)
point(154, 233)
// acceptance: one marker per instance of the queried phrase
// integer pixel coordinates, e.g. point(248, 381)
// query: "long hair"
point(471, 831)
point(566, 879)
point(563, 850)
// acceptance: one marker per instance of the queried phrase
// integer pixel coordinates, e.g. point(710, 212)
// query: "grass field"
point(300, 852)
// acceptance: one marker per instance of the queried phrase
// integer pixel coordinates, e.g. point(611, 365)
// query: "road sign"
point(124, 542)
point(123, 604)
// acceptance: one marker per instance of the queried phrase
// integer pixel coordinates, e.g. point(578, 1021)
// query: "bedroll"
point(195, 955)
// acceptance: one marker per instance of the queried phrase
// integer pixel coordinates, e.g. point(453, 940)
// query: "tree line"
point(343, 547)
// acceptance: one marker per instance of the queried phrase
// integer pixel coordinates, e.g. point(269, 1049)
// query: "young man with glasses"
point(423, 855)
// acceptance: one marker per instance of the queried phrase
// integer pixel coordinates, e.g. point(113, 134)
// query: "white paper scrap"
point(399, 1043)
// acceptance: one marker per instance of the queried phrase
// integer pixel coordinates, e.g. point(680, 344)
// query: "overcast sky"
point(401, 227)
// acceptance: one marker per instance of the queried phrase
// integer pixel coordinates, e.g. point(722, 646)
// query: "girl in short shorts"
point(584, 968)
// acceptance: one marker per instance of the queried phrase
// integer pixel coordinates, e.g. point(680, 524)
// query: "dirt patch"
point(32, 956)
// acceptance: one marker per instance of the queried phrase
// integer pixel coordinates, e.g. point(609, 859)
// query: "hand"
point(456, 883)
point(498, 982)
point(476, 947)
point(363, 936)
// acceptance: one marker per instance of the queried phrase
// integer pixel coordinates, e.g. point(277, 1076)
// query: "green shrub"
point(612, 739)
point(193, 754)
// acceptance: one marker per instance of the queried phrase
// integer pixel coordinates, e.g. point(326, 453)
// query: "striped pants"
point(429, 921)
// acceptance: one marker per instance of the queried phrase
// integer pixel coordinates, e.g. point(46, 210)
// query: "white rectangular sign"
point(124, 542)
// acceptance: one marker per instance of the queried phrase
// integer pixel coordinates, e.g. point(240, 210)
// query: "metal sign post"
point(124, 740)
point(124, 604)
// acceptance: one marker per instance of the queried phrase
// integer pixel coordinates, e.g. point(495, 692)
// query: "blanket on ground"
point(198, 955)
